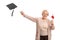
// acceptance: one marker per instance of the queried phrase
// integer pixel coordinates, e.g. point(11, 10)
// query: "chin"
point(45, 17)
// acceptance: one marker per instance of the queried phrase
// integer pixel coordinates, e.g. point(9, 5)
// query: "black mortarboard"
point(11, 6)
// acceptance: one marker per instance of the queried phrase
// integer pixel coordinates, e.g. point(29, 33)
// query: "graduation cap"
point(11, 6)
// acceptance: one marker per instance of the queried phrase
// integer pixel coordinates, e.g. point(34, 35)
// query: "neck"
point(44, 18)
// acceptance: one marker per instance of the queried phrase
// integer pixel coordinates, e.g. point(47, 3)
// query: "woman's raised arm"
point(29, 17)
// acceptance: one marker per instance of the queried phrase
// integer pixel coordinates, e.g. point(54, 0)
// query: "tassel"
point(12, 13)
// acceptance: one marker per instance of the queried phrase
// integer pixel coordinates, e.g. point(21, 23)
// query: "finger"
point(21, 12)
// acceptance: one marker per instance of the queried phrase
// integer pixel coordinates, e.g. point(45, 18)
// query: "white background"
point(20, 28)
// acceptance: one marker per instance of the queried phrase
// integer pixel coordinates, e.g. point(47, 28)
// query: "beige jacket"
point(36, 20)
point(38, 30)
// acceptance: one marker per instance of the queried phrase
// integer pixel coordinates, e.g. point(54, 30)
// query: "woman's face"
point(45, 13)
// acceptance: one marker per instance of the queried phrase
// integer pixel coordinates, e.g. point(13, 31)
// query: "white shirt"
point(43, 27)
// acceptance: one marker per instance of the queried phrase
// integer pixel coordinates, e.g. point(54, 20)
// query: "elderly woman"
point(43, 25)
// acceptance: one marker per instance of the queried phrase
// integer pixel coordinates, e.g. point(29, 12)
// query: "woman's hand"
point(52, 22)
point(52, 25)
point(22, 13)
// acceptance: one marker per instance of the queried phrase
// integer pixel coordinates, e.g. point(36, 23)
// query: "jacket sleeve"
point(31, 18)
